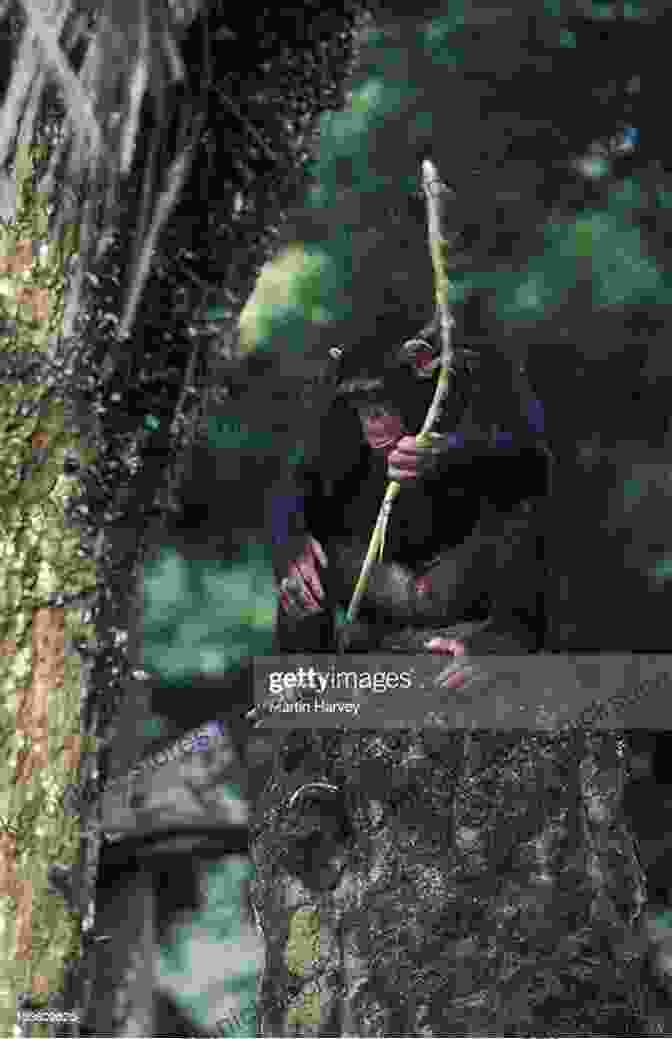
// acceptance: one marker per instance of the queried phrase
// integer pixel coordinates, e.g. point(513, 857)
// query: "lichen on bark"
point(40, 559)
point(303, 943)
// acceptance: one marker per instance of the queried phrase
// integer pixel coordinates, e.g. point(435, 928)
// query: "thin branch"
point(252, 130)
point(165, 204)
point(188, 380)
point(204, 286)
point(136, 93)
point(25, 71)
point(76, 99)
point(175, 62)
point(144, 216)
point(435, 193)
point(26, 134)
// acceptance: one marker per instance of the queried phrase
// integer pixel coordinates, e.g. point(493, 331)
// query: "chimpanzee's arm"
point(303, 508)
point(502, 436)
point(314, 633)
point(300, 505)
point(502, 441)
point(289, 534)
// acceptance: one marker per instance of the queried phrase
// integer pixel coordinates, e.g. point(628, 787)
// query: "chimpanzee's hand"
point(382, 427)
point(301, 591)
point(409, 461)
point(460, 672)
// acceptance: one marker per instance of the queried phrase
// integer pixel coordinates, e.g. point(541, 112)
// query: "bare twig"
point(24, 72)
point(77, 101)
point(252, 130)
point(188, 381)
point(165, 204)
point(138, 86)
point(435, 194)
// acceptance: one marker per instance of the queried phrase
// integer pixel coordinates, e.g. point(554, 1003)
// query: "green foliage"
point(204, 616)
point(219, 923)
point(298, 455)
point(567, 39)
point(397, 95)
point(154, 728)
point(664, 919)
point(230, 433)
point(634, 490)
point(622, 273)
point(600, 9)
point(289, 289)
point(662, 571)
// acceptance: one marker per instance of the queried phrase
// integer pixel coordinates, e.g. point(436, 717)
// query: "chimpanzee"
point(463, 542)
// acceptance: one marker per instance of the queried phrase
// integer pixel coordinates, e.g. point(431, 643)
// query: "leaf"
point(662, 571)
point(583, 230)
point(220, 313)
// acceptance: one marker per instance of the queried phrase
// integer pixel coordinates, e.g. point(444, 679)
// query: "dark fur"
point(474, 526)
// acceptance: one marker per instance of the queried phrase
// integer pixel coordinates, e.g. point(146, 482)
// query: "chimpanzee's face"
point(382, 425)
point(398, 414)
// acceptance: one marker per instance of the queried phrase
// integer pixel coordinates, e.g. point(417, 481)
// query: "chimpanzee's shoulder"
point(489, 361)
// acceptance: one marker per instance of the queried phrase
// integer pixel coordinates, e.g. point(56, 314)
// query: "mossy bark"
point(41, 563)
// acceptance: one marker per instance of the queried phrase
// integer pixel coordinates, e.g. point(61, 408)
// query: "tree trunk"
point(70, 575)
point(47, 583)
point(481, 887)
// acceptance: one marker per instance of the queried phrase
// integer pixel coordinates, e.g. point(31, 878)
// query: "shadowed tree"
point(151, 150)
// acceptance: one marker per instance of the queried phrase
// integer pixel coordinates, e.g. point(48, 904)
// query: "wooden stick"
point(436, 193)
